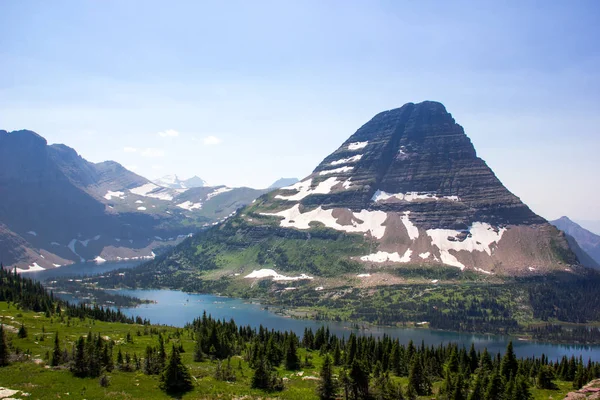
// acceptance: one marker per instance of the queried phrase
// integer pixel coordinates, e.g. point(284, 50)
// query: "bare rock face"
point(588, 392)
point(410, 181)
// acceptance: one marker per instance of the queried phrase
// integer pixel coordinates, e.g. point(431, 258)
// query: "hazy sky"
point(242, 93)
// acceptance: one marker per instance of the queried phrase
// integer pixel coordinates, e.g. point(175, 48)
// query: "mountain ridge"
point(59, 208)
point(588, 241)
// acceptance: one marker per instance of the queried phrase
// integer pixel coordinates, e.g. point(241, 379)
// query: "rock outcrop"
point(588, 392)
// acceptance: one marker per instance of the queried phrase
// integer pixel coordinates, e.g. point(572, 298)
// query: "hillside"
point(58, 208)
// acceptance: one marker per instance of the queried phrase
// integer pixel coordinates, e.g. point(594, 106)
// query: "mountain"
point(282, 182)
point(194, 182)
point(587, 241)
point(407, 190)
point(173, 182)
point(170, 181)
point(58, 208)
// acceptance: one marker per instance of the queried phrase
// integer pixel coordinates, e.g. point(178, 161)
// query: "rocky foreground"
point(589, 391)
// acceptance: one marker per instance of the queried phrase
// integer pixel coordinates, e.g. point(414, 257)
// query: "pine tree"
point(3, 348)
point(417, 379)
point(495, 388)
point(79, 367)
point(261, 378)
point(162, 354)
point(359, 380)
point(22, 334)
point(544, 378)
point(337, 354)
point(521, 391)
point(509, 364)
point(176, 377)
point(477, 390)
point(292, 362)
point(56, 352)
point(327, 386)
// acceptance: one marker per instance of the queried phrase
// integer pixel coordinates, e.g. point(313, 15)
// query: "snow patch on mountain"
point(304, 189)
point(110, 194)
point(357, 145)
point(348, 160)
point(71, 246)
point(479, 238)
point(154, 191)
point(32, 268)
point(218, 191)
point(380, 195)
point(188, 205)
point(270, 273)
point(364, 221)
point(336, 171)
point(413, 231)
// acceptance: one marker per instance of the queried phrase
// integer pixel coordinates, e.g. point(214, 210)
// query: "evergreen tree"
point(56, 352)
point(22, 334)
point(477, 389)
point(260, 379)
point(545, 377)
point(292, 362)
point(79, 367)
point(327, 386)
point(579, 379)
point(176, 377)
point(3, 348)
point(417, 379)
point(359, 380)
point(521, 391)
point(495, 387)
point(395, 359)
point(162, 354)
point(509, 364)
point(473, 359)
point(337, 354)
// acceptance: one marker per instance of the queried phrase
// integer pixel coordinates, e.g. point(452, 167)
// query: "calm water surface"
point(177, 308)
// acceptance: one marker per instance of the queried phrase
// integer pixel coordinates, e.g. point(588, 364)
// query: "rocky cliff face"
point(411, 183)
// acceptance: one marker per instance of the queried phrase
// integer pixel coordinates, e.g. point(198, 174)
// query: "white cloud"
point(152, 152)
point(169, 133)
point(130, 149)
point(211, 140)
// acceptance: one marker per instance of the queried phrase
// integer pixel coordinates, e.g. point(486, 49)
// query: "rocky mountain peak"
point(410, 179)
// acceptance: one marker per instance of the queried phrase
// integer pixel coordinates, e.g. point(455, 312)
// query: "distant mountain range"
point(58, 208)
point(173, 182)
point(588, 242)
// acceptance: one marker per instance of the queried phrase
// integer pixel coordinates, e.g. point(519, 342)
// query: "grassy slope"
point(43, 382)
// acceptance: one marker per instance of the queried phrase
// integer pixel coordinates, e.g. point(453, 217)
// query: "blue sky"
point(242, 93)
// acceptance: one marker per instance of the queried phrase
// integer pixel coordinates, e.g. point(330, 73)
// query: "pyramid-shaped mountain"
point(406, 190)
point(410, 182)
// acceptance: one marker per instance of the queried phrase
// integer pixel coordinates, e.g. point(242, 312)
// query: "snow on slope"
point(364, 221)
point(304, 189)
